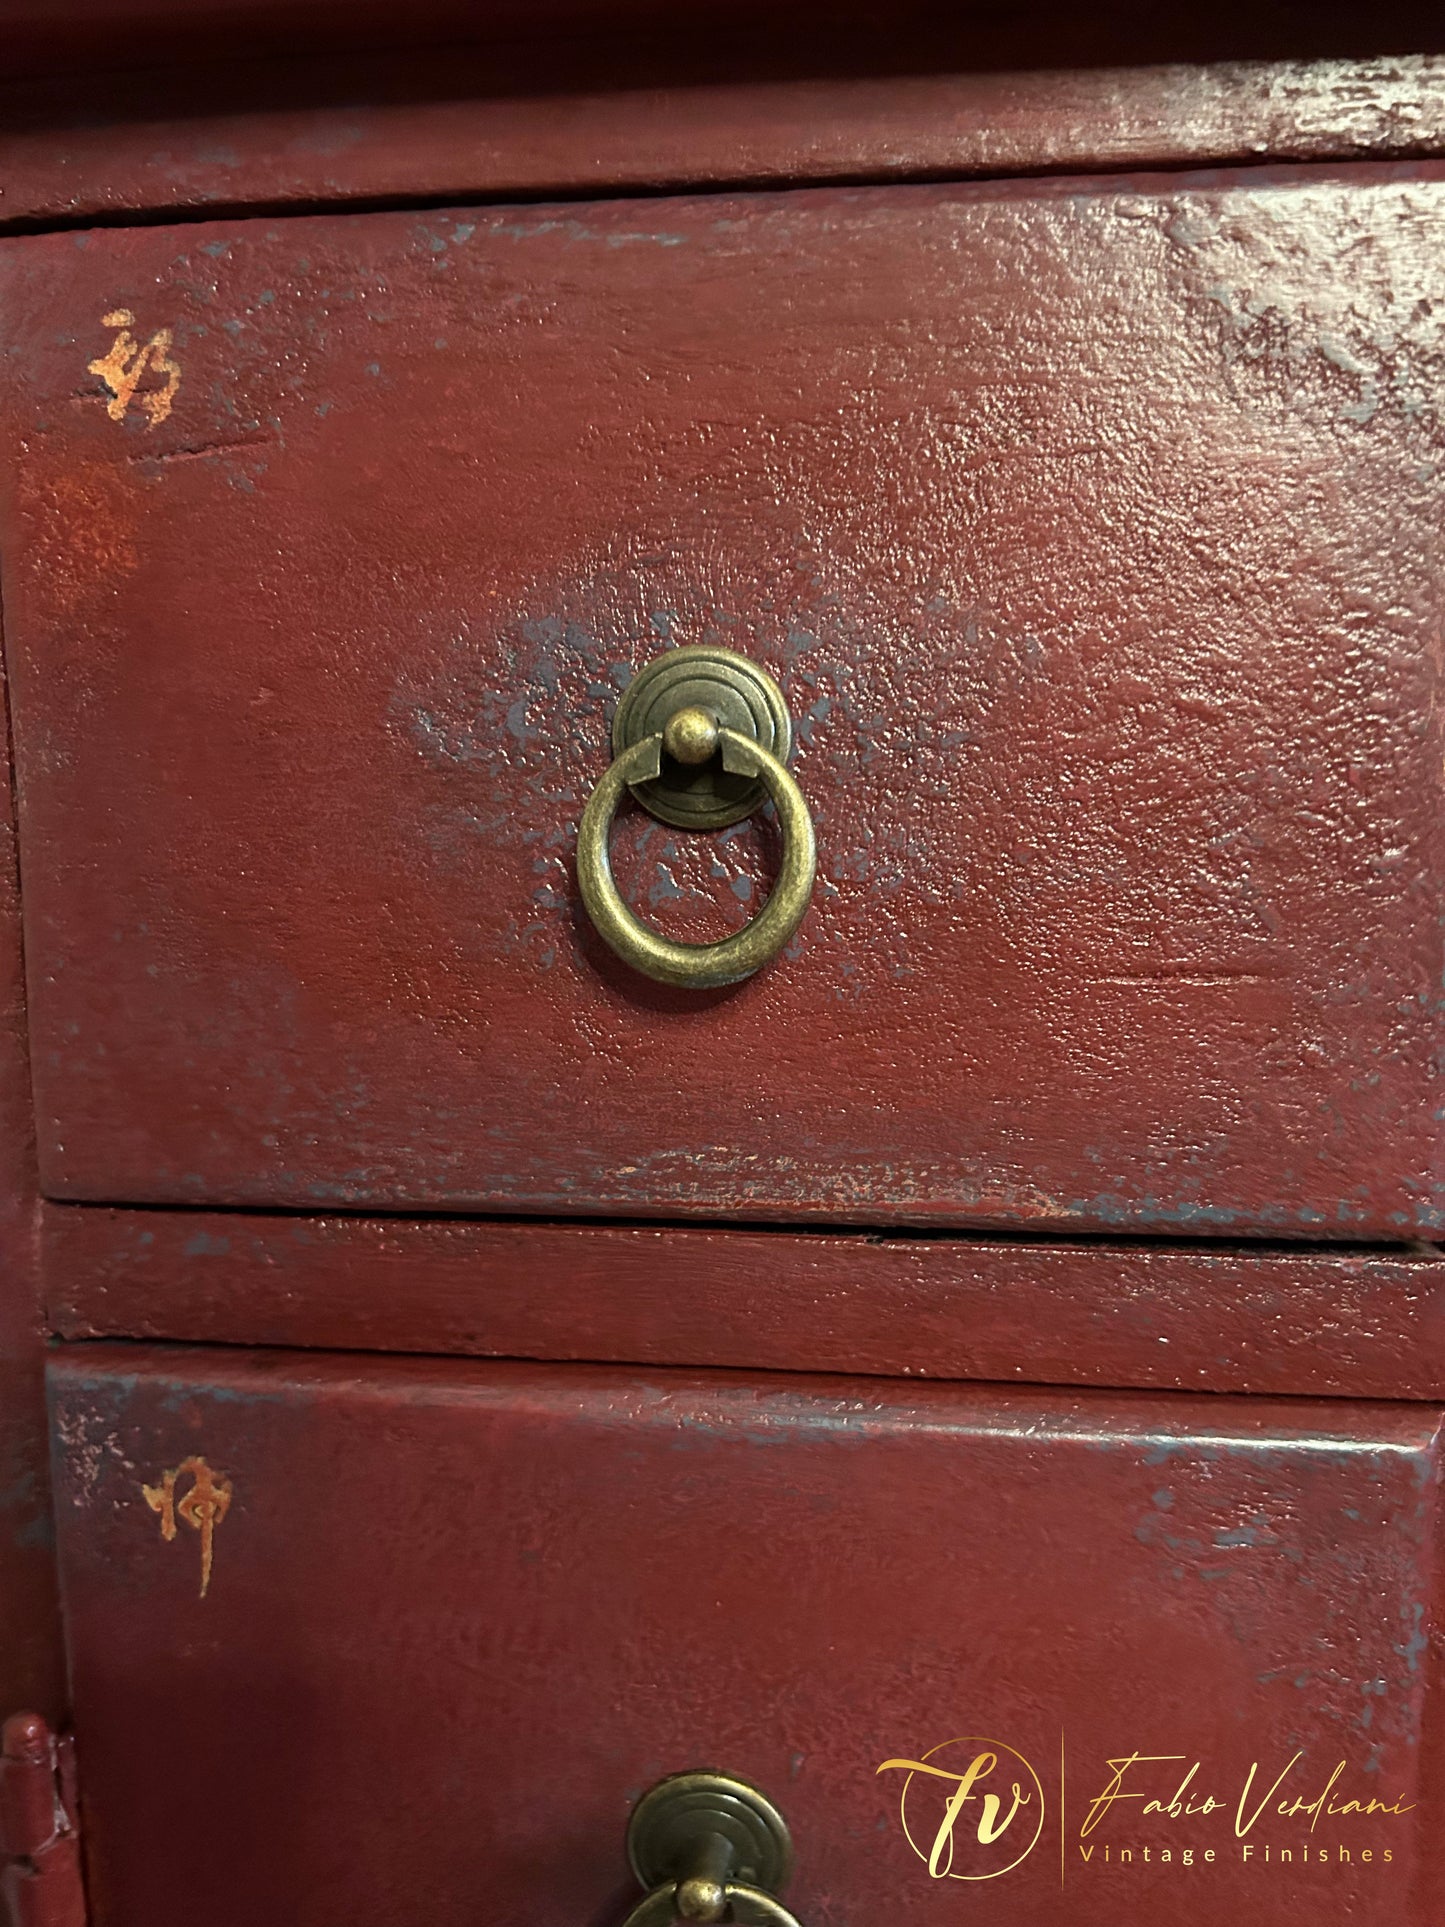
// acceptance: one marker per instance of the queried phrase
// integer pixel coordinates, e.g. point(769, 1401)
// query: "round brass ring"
point(749, 1906)
point(697, 966)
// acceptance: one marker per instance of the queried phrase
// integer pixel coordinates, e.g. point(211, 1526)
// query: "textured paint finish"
point(1323, 1323)
point(1091, 530)
point(493, 133)
point(31, 1671)
point(40, 1881)
point(465, 1614)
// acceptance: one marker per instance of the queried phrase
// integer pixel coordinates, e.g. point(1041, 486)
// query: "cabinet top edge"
point(124, 148)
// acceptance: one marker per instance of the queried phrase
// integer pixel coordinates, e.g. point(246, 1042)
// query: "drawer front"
point(1090, 529)
point(452, 1619)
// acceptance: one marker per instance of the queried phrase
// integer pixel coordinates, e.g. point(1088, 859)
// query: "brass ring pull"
point(710, 1847)
point(692, 736)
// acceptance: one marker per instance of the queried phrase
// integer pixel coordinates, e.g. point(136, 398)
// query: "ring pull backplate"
point(709, 1847)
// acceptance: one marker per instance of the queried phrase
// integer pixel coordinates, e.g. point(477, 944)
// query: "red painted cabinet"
point(455, 1617)
point(424, 1489)
point(1090, 528)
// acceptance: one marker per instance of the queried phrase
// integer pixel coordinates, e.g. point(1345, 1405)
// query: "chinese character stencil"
point(202, 1507)
point(121, 370)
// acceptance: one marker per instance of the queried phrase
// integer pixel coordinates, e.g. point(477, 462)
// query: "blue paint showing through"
point(203, 1244)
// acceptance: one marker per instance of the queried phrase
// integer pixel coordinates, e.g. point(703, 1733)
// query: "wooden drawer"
point(458, 1616)
point(1091, 529)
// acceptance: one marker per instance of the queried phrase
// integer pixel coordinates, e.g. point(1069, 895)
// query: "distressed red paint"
point(478, 127)
point(1359, 1325)
point(1090, 529)
point(41, 1880)
point(31, 1669)
point(521, 1593)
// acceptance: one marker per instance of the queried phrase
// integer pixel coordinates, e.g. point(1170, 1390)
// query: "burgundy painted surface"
point(498, 129)
point(1324, 1323)
point(31, 1670)
point(1092, 529)
point(459, 1616)
point(40, 1882)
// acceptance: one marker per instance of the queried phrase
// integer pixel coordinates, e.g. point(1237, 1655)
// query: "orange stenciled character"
point(203, 1507)
point(128, 360)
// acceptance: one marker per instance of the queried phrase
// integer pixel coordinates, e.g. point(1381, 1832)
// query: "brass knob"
point(709, 1847)
point(723, 726)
